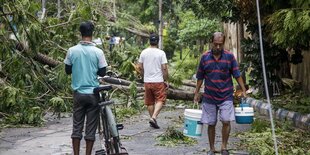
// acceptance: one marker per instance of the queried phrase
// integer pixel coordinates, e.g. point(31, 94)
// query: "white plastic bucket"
point(192, 124)
point(244, 115)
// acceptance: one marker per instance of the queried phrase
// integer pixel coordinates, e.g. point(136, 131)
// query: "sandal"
point(153, 123)
point(210, 152)
point(224, 152)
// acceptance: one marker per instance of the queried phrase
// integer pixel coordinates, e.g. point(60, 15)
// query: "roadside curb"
point(298, 120)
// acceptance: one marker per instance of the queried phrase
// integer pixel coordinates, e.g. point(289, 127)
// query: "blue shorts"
point(210, 112)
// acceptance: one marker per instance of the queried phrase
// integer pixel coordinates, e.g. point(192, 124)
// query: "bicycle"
point(107, 126)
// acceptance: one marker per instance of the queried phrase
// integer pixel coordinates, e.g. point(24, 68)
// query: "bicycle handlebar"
point(105, 103)
point(109, 74)
point(112, 74)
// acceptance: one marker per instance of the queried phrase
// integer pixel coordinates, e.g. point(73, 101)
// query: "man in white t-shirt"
point(154, 68)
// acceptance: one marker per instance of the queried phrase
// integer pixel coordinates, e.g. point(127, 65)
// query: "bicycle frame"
point(107, 127)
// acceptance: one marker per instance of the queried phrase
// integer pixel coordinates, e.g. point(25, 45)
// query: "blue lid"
point(244, 105)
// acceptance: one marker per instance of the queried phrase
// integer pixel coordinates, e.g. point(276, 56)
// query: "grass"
point(259, 139)
point(172, 137)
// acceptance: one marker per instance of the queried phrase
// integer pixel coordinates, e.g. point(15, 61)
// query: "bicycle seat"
point(102, 88)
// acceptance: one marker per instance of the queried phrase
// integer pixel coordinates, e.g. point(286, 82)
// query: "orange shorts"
point(154, 92)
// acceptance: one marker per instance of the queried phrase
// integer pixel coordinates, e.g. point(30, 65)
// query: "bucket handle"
point(196, 105)
point(242, 102)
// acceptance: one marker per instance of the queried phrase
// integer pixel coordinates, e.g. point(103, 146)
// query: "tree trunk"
point(175, 94)
point(139, 33)
point(119, 81)
point(44, 59)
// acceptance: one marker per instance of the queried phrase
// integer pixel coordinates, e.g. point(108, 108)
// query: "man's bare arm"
point(140, 67)
point(198, 86)
point(241, 84)
point(197, 91)
point(164, 68)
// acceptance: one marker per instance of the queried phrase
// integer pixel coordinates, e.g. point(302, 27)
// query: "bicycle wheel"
point(110, 134)
point(106, 133)
point(113, 132)
point(101, 133)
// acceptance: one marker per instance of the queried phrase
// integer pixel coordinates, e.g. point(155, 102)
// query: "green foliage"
point(145, 10)
point(32, 116)
point(122, 59)
point(199, 29)
point(123, 113)
point(17, 108)
point(169, 46)
point(212, 8)
point(290, 27)
point(294, 101)
point(259, 140)
point(31, 86)
point(259, 126)
point(9, 97)
point(284, 24)
point(182, 69)
point(172, 137)
point(58, 104)
point(274, 57)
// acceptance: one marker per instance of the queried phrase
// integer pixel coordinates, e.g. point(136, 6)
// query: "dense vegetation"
point(30, 37)
point(34, 43)
point(290, 140)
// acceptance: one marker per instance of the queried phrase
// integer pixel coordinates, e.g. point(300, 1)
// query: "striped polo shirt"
point(217, 75)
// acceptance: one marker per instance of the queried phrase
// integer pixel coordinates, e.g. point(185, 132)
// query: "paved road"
point(137, 137)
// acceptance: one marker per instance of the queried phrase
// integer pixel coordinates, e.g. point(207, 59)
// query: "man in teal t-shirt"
point(85, 62)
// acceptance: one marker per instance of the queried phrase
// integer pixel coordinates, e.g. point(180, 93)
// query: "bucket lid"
point(193, 113)
point(244, 105)
point(244, 109)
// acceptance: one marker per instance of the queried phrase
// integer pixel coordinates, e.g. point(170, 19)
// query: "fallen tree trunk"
point(44, 59)
point(139, 33)
point(172, 93)
point(175, 94)
point(119, 81)
point(180, 95)
point(189, 83)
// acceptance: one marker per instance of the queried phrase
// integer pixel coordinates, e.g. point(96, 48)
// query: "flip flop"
point(224, 152)
point(153, 123)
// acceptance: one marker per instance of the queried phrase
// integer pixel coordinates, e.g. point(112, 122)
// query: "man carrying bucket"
point(216, 68)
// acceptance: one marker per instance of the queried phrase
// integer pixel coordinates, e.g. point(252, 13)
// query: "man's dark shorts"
point(85, 105)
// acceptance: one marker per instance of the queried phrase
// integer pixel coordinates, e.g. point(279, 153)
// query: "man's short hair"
point(217, 34)
point(154, 39)
point(87, 28)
